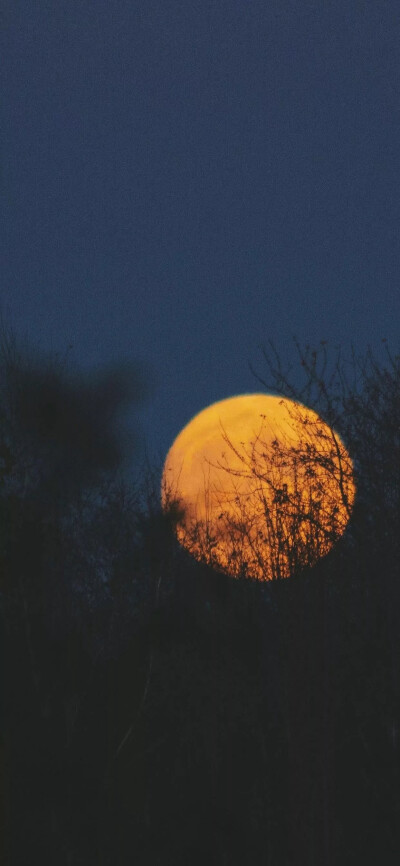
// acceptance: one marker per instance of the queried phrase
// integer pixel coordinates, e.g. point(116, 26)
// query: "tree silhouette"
point(155, 710)
point(282, 503)
point(62, 449)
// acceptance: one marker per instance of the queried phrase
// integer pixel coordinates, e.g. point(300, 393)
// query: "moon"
point(263, 486)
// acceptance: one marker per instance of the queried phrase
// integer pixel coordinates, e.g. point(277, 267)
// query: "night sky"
point(182, 181)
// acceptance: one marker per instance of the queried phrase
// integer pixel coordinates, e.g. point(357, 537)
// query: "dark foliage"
point(158, 713)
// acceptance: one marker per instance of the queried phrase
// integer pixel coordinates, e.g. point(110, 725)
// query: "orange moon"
point(263, 486)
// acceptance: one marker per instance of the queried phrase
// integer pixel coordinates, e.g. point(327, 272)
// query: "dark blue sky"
point(182, 181)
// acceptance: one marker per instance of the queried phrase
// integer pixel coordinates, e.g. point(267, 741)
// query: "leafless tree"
point(288, 501)
point(282, 507)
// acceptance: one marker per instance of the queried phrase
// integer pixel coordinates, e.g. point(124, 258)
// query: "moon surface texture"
point(262, 486)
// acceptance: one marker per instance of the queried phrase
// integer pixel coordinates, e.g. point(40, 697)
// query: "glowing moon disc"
point(264, 485)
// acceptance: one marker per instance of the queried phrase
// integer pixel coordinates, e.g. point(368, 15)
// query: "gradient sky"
point(182, 180)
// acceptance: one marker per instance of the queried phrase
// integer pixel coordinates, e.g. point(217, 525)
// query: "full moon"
point(262, 486)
